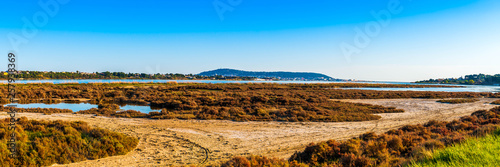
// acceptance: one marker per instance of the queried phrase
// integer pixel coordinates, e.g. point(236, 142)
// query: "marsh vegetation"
point(393, 148)
point(239, 102)
point(43, 143)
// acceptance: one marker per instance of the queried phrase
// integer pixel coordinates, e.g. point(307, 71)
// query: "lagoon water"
point(146, 109)
point(492, 89)
point(81, 106)
point(466, 88)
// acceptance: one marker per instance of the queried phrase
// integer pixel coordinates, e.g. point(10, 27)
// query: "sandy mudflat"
point(182, 142)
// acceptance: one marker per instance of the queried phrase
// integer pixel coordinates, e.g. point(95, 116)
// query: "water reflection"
point(493, 89)
point(82, 106)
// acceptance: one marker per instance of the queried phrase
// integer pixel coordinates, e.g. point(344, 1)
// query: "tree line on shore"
point(29, 75)
point(475, 79)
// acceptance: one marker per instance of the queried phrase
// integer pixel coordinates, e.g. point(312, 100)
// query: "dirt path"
point(184, 142)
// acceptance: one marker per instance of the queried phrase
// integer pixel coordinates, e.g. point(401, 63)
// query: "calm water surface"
point(492, 89)
point(82, 106)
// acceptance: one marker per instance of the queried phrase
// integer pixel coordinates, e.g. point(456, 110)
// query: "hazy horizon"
point(422, 39)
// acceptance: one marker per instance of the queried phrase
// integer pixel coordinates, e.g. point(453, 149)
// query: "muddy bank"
point(183, 142)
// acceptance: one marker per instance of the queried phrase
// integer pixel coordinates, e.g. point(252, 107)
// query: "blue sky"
point(422, 39)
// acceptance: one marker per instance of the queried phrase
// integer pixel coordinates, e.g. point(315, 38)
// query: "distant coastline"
point(275, 75)
point(217, 75)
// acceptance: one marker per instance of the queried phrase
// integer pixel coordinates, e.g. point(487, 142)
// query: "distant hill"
point(277, 75)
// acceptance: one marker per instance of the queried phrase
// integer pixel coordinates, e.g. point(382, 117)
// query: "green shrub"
point(43, 143)
point(482, 151)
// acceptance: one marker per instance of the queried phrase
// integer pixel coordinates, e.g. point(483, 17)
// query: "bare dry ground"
point(209, 142)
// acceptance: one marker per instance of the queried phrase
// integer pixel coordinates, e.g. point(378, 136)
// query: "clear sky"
point(420, 39)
